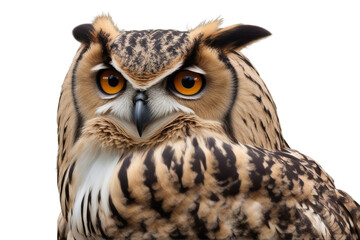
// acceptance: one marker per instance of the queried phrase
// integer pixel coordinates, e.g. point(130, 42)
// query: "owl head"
point(143, 80)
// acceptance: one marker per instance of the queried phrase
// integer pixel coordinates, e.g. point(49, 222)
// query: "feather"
point(200, 185)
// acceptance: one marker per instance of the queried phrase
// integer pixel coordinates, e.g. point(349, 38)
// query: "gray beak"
point(141, 111)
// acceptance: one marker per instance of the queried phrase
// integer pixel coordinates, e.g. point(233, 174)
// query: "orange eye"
point(110, 81)
point(188, 83)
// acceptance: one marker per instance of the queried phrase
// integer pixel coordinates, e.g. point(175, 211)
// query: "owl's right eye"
point(110, 81)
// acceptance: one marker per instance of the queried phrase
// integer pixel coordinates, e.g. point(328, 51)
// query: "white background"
point(310, 64)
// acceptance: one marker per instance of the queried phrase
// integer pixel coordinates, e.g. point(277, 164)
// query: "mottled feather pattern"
point(145, 54)
point(226, 190)
point(221, 170)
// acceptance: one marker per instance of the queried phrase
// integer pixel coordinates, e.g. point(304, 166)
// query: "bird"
point(167, 134)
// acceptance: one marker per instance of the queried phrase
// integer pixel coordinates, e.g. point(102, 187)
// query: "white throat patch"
point(94, 169)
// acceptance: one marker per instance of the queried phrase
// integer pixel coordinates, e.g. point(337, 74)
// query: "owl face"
point(142, 79)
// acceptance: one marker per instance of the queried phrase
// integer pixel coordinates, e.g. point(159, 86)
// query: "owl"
point(173, 134)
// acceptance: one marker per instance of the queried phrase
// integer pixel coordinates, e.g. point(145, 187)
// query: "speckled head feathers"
point(145, 55)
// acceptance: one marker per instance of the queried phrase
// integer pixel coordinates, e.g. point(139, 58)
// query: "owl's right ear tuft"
point(84, 33)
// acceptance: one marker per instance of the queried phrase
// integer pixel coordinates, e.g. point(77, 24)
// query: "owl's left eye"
point(187, 83)
point(110, 81)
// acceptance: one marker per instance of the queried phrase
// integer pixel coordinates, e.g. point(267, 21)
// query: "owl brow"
point(192, 53)
point(103, 39)
point(196, 69)
point(99, 67)
point(164, 75)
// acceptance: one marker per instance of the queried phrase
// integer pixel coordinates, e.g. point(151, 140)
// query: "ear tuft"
point(84, 33)
point(236, 37)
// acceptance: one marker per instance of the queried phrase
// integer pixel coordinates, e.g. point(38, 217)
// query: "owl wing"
point(205, 187)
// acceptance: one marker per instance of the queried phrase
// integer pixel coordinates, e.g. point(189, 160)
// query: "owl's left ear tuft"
point(84, 33)
point(236, 37)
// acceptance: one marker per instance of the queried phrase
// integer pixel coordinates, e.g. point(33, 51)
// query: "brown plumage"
point(208, 165)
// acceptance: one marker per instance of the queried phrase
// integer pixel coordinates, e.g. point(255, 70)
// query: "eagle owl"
point(172, 134)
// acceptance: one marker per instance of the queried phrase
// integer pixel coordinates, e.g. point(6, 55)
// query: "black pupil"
point(113, 80)
point(188, 81)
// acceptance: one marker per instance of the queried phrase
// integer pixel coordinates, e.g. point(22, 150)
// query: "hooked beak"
point(141, 111)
